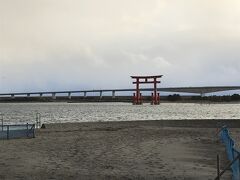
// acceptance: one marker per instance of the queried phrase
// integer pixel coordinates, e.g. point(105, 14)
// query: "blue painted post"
point(238, 165)
point(33, 130)
point(218, 167)
point(27, 129)
point(2, 121)
point(7, 131)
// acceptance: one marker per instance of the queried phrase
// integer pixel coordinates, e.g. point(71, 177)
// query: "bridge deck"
point(195, 90)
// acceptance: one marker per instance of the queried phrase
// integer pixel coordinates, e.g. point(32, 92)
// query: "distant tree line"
point(174, 97)
point(234, 97)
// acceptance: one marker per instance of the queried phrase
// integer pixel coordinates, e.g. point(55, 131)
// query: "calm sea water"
point(82, 112)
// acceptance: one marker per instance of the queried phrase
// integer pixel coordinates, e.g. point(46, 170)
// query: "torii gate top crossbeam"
point(144, 77)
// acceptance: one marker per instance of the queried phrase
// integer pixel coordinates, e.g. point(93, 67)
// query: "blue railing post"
point(232, 153)
point(218, 167)
point(238, 167)
point(33, 130)
point(7, 131)
point(27, 129)
point(2, 121)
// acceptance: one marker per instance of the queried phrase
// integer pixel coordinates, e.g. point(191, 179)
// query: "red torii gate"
point(137, 97)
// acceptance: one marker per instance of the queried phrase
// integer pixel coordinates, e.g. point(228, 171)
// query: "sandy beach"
point(117, 150)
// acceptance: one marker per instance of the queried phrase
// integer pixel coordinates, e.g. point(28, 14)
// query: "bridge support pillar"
point(69, 96)
point(100, 94)
point(12, 96)
point(85, 94)
point(28, 95)
point(54, 96)
point(113, 94)
point(40, 94)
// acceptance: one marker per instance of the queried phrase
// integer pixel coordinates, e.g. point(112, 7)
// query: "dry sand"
point(115, 150)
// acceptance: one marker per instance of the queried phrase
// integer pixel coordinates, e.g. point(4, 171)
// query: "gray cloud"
point(70, 44)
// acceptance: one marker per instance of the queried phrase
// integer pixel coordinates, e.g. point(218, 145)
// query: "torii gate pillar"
point(137, 96)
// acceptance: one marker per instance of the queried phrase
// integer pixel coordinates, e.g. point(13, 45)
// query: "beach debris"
point(43, 126)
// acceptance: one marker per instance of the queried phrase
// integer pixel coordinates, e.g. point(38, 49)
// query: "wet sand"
point(116, 150)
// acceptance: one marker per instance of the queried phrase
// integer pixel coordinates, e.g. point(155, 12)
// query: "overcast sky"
point(92, 44)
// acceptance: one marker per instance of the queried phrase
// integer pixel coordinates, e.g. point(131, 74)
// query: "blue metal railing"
point(232, 153)
point(17, 131)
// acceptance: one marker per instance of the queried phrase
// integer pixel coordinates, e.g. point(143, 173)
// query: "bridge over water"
point(194, 90)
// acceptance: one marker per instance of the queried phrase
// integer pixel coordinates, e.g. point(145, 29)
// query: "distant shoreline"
point(123, 99)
